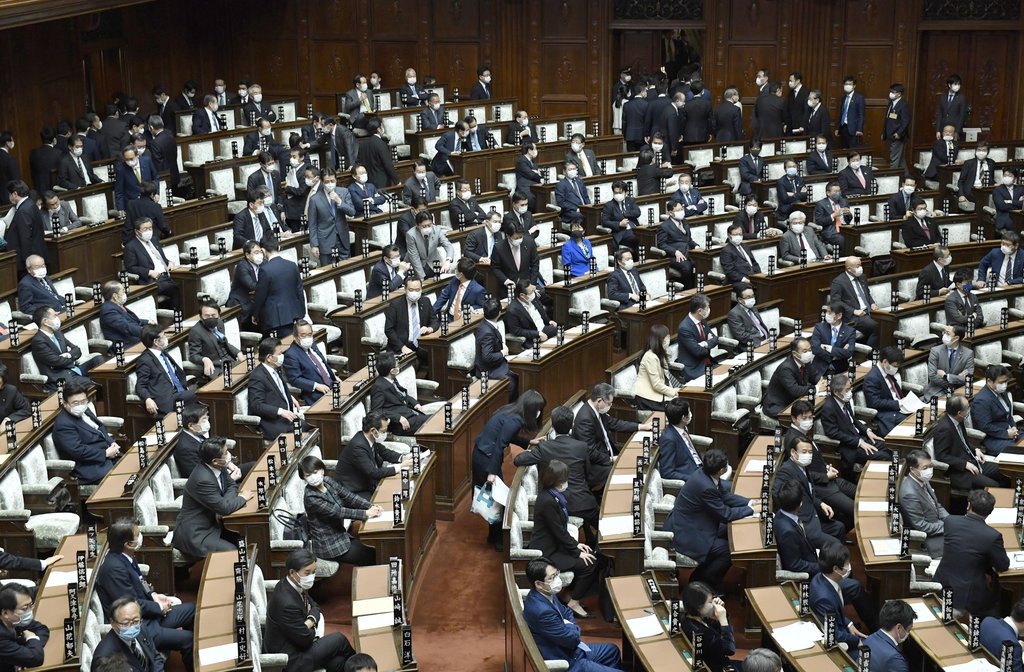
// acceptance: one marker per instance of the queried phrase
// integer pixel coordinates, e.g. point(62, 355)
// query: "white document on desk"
point(797, 636)
point(922, 611)
point(885, 546)
point(902, 431)
point(622, 479)
point(375, 605)
point(64, 578)
point(755, 466)
point(873, 506)
point(375, 621)
point(499, 491)
point(976, 665)
point(878, 467)
point(645, 626)
point(910, 404)
point(1002, 516)
point(1008, 458)
point(1016, 560)
point(613, 525)
point(212, 655)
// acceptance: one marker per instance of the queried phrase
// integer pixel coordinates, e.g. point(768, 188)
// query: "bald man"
point(851, 289)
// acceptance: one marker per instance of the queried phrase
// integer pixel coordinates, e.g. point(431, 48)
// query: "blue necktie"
point(178, 387)
point(846, 107)
point(835, 336)
point(952, 358)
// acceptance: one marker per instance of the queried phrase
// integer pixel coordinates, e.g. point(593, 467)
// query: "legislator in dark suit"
point(490, 357)
point(25, 233)
point(111, 646)
point(654, 114)
point(950, 446)
point(746, 326)
point(935, 276)
point(243, 284)
point(960, 306)
point(727, 120)
point(899, 205)
point(154, 382)
point(601, 446)
point(920, 232)
point(750, 172)
point(254, 143)
point(993, 414)
point(841, 340)
point(826, 211)
point(519, 322)
point(951, 110)
point(9, 170)
point(619, 286)
point(969, 176)
point(18, 653)
point(853, 293)
point(85, 441)
point(144, 207)
point(186, 452)
point(796, 109)
point(825, 601)
point(429, 188)
point(268, 392)
point(883, 393)
point(697, 122)
point(921, 510)
point(944, 153)
point(818, 122)
point(375, 156)
point(47, 356)
point(75, 172)
point(165, 154)
point(633, 111)
point(480, 243)
point(837, 492)
point(13, 407)
point(210, 494)
point(289, 633)
point(399, 318)
point(855, 183)
point(41, 161)
point(393, 401)
point(672, 128)
point(328, 224)
point(840, 424)
point(244, 227)
point(306, 368)
point(955, 363)
point(551, 537)
point(972, 552)
point(818, 527)
point(570, 196)
point(796, 552)
point(128, 181)
point(34, 292)
point(361, 465)
point(383, 274)
point(527, 175)
point(279, 299)
point(695, 357)
point(674, 236)
point(139, 259)
point(113, 135)
point(578, 458)
point(770, 111)
point(738, 262)
point(582, 165)
point(465, 213)
point(819, 163)
point(272, 181)
point(789, 382)
point(649, 177)
point(212, 344)
point(504, 266)
point(789, 191)
point(791, 243)
point(1006, 199)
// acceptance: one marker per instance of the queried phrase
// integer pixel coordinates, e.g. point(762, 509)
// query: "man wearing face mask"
point(463, 290)
point(968, 467)
point(55, 356)
point(819, 161)
point(160, 380)
point(976, 173)
point(22, 638)
point(920, 507)
point(900, 202)
point(829, 486)
point(205, 119)
point(856, 178)
point(451, 143)
point(79, 435)
point(526, 317)
point(596, 428)
point(463, 210)
point(327, 212)
point(127, 640)
point(359, 102)
point(520, 216)
point(211, 493)
point(342, 145)
point(992, 411)
point(527, 174)
point(973, 556)
point(672, 127)
point(35, 289)
point(851, 115)
point(262, 140)
point(819, 519)
point(146, 205)
point(366, 199)
point(404, 413)
point(818, 120)
point(75, 169)
point(581, 156)
point(727, 118)
point(621, 215)
point(693, 203)
point(269, 397)
point(793, 379)
point(411, 94)
point(770, 111)
point(481, 241)
point(365, 460)
point(828, 595)
point(961, 303)
point(423, 183)
point(520, 131)
point(270, 177)
point(1007, 262)
point(482, 88)
point(251, 223)
point(256, 107)
point(388, 272)
point(857, 443)
point(117, 321)
point(244, 281)
point(129, 175)
point(162, 615)
point(851, 289)
point(425, 243)
point(406, 320)
point(432, 117)
point(752, 220)
point(945, 152)
point(306, 367)
point(883, 390)
point(738, 262)
point(750, 169)
point(920, 230)
point(951, 108)
point(633, 112)
point(196, 419)
point(56, 209)
point(895, 128)
point(832, 342)
point(624, 283)
point(516, 258)
point(1006, 198)
point(948, 363)
point(790, 189)
point(798, 238)
point(696, 339)
point(745, 324)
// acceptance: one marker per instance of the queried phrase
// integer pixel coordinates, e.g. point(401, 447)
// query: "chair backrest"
point(624, 379)
point(990, 353)
point(11, 496)
point(908, 286)
point(750, 385)
point(462, 352)
point(77, 336)
point(587, 299)
point(222, 181)
point(324, 294)
point(916, 374)
point(65, 285)
point(724, 400)
point(992, 310)
point(656, 282)
point(373, 328)
point(352, 421)
point(32, 466)
point(145, 506)
point(202, 245)
point(407, 379)
point(145, 308)
point(163, 488)
point(217, 285)
point(350, 282)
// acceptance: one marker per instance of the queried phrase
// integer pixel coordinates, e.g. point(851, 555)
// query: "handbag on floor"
point(484, 505)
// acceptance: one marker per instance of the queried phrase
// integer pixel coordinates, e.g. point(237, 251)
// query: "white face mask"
point(265, 132)
point(521, 209)
point(494, 227)
point(315, 479)
point(294, 162)
point(1001, 388)
point(812, 104)
point(310, 181)
point(571, 174)
point(805, 425)
point(242, 93)
point(362, 178)
point(306, 342)
point(679, 215)
point(413, 296)
point(926, 474)
point(465, 195)
point(909, 191)
point(259, 209)
point(556, 585)
point(804, 459)
point(796, 228)
point(1007, 180)
point(736, 240)
point(920, 214)
point(891, 370)
point(382, 437)
point(946, 339)
point(420, 177)
point(435, 106)
point(39, 273)
point(329, 186)
point(306, 582)
point(619, 198)
point(257, 97)
point(749, 303)
point(846, 571)
point(981, 155)
point(279, 360)
point(132, 164)
point(627, 265)
point(76, 152)
point(892, 95)
point(204, 426)
point(1006, 249)
point(410, 80)
point(257, 259)
point(77, 410)
point(751, 210)
point(806, 357)
point(657, 148)
point(848, 87)
point(855, 165)
point(821, 147)
point(576, 147)
point(486, 79)
point(948, 138)
point(791, 171)
point(147, 236)
point(848, 397)
point(394, 262)
point(857, 272)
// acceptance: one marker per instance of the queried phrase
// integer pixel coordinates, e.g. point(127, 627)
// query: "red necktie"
point(895, 388)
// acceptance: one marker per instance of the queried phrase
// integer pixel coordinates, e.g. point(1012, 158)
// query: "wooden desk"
point(660, 310)
point(215, 610)
point(197, 215)
point(383, 644)
point(798, 287)
point(51, 603)
point(746, 536)
point(9, 269)
point(655, 653)
point(87, 248)
point(437, 346)
point(624, 548)
point(888, 574)
point(220, 401)
point(945, 645)
point(775, 607)
point(561, 370)
point(916, 259)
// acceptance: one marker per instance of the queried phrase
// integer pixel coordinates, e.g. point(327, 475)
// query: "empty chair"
point(48, 529)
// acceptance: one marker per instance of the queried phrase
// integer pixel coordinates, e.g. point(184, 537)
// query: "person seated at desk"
point(796, 553)
point(582, 156)
point(243, 282)
point(818, 518)
point(976, 172)
point(968, 467)
point(127, 641)
point(678, 458)
point(995, 631)
point(268, 393)
point(22, 638)
point(919, 230)
point(166, 619)
point(208, 346)
point(624, 283)
point(78, 435)
point(883, 390)
point(210, 495)
point(948, 364)
point(463, 210)
point(146, 259)
point(752, 221)
point(160, 381)
point(426, 243)
point(363, 192)
point(365, 460)
point(520, 215)
point(992, 411)
point(706, 616)
point(945, 151)
point(1007, 262)
point(856, 178)
point(516, 258)
point(328, 505)
point(491, 356)
point(146, 205)
point(261, 140)
point(675, 239)
point(526, 318)
point(699, 519)
point(481, 241)
point(832, 213)
point(650, 174)
point(553, 624)
point(798, 238)
point(857, 443)
point(75, 168)
point(819, 162)
point(828, 596)
point(54, 208)
point(829, 486)
point(936, 274)
point(404, 413)
point(745, 323)
point(461, 291)
point(293, 616)
point(738, 262)
point(851, 289)
point(35, 289)
point(55, 356)
point(117, 321)
point(570, 195)
point(655, 385)
point(793, 379)
point(790, 190)
point(1006, 198)
point(693, 203)
point(920, 507)
point(196, 418)
point(696, 339)
point(423, 183)
point(14, 407)
point(551, 536)
point(961, 302)
point(832, 342)
point(269, 176)
point(621, 215)
point(973, 556)
point(405, 321)
point(594, 426)
point(306, 367)
point(901, 203)
point(577, 252)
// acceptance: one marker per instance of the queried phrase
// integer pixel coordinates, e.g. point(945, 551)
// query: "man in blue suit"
point(306, 367)
point(1006, 198)
point(279, 299)
point(117, 322)
point(461, 290)
point(491, 351)
point(79, 435)
point(129, 174)
point(796, 552)
point(850, 130)
point(832, 342)
point(621, 215)
point(693, 203)
point(678, 458)
point(992, 411)
point(894, 624)
point(162, 615)
point(995, 631)
point(35, 289)
point(827, 594)
point(1007, 262)
point(699, 520)
point(883, 390)
point(451, 142)
point(570, 195)
point(553, 625)
point(360, 190)
point(696, 338)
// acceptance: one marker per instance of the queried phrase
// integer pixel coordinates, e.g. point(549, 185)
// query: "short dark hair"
point(385, 362)
point(74, 388)
point(193, 413)
point(715, 461)
point(150, 333)
point(554, 474)
point(790, 496)
point(309, 464)
point(9, 596)
point(1017, 613)
point(915, 456)
point(962, 274)
point(699, 301)
point(492, 308)
point(212, 448)
point(896, 612)
point(602, 391)
point(676, 409)
point(299, 558)
point(360, 662)
point(993, 371)
point(832, 554)
point(40, 314)
point(267, 347)
point(120, 533)
point(891, 354)
point(537, 569)
point(561, 419)
point(695, 595)
point(982, 502)
point(801, 407)
point(467, 267)
point(372, 420)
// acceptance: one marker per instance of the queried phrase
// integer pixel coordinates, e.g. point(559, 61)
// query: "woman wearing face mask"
point(655, 385)
point(706, 615)
point(328, 504)
point(516, 423)
point(551, 536)
point(577, 252)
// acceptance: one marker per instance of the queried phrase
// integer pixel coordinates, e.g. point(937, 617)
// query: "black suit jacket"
point(971, 551)
point(770, 111)
point(361, 466)
point(48, 357)
point(727, 122)
point(796, 109)
point(787, 385)
point(838, 426)
point(287, 631)
point(736, 267)
point(152, 382)
point(519, 323)
point(164, 149)
point(698, 123)
point(392, 400)
point(471, 212)
point(850, 185)
point(13, 405)
point(9, 170)
point(619, 288)
point(914, 235)
point(68, 176)
point(842, 290)
point(265, 399)
point(138, 261)
point(396, 322)
point(930, 275)
point(587, 428)
point(648, 179)
point(527, 174)
point(243, 228)
point(112, 645)
point(577, 457)
point(899, 205)
point(953, 113)
point(818, 166)
point(25, 233)
point(375, 155)
point(186, 453)
point(41, 161)
point(818, 122)
point(203, 343)
point(143, 207)
point(550, 535)
point(504, 267)
point(949, 447)
point(243, 284)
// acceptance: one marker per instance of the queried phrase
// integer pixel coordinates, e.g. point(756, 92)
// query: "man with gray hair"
point(727, 118)
point(799, 238)
point(594, 427)
point(762, 660)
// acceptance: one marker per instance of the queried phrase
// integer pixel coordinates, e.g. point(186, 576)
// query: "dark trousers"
point(847, 139)
point(166, 286)
point(684, 268)
point(715, 565)
point(358, 554)
point(868, 327)
point(166, 636)
point(329, 652)
point(628, 239)
point(854, 593)
point(415, 422)
point(841, 501)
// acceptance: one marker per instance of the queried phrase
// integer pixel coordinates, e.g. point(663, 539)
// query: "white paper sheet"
point(622, 479)
point(755, 466)
point(499, 491)
point(923, 612)
point(885, 546)
point(1002, 516)
point(910, 403)
point(902, 431)
point(797, 636)
point(645, 626)
point(376, 605)
point(873, 506)
point(976, 665)
point(388, 514)
point(1016, 560)
point(212, 655)
point(1008, 458)
point(612, 525)
point(64, 578)
point(877, 467)
point(374, 621)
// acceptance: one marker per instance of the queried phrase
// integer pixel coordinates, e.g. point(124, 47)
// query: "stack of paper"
point(924, 614)
point(755, 466)
point(910, 403)
point(873, 506)
point(1002, 516)
point(645, 626)
point(613, 525)
point(212, 655)
point(885, 546)
point(797, 636)
point(976, 665)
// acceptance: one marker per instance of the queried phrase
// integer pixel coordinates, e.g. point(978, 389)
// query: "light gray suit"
point(412, 187)
point(957, 310)
point(921, 510)
point(327, 225)
point(352, 107)
point(938, 360)
point(66, 217)
point(422, 252)
point(789, 246)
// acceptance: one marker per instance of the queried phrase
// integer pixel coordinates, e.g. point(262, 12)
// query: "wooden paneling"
point(563, 19)
point(754, 21)
point(396, 19)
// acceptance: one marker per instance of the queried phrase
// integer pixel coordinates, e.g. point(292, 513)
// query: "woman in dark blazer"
point(751, 224)
point(705, 614)
point(515, 423)
point(551, 535)
point(649, 174)
point(327, 505)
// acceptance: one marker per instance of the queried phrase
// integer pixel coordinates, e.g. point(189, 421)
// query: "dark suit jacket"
point(412, 187)
point(9, 170)
point(75, 440)
point(878, 395)
point(671, 239)
point(972, 550)
point(361, 466)
point(811, 502)
point(570, 199)
point(396, 322)
point(33, 292)
point(648, 179)
point(843, 291)
point(68, 176)
point(254, 142)
point(143, 207)
point(258, 179)
point(1004, 201)
point(691, 354)
point(633, 112)
point(701, 515)
point(952, 113)
point(203, 343)
point(279, 299)
point(854, 113)
point(735, 266)
point(14, 407)
point(504, 266)
point(994, 260)
point(914, 235)
point(818, 166)
point(587, 428)
point(243, 283)
point(152, 382)
point(899, 205)
point(473, 295)
point(995, 631)
point(476, 243)
point(990, 416)
point(16, 653)
point(186, 453)
point(513, 130)
point(519, 323)
point(618, 288)
point(243, 228)
point(115, 578)
point(654, 114)
point(375, 155)
point(25, 232)
point(818, 122)
point(261, 110)
point(126, 186)
point(287, 632)
point(750, 171)
point(825, 600)
point(138, 261)
point(969, 172)
point(898, 126)
point(796, 552)
point(743, 327)
point(489, 356)
point(837, 425)
point(785, 186)
point(392, 400)
point(941, 157)
point(595, 166)
point(787, 385)
point(114, 135)
point(413, 95)
point(198, 527)
point(480, 91)
point(796, 109)
point(526, 174)
point(884, 653)
point(836, 361)
point(932, 276)
point(301, 372)
point(471, 213)
point(550, 535)
point(265, 399)
point(697, 121)
point(41, 161)
point(112, 645)
point(382, 274)
point(851, 186)
point(674, 458)
point(577, 457)
point(165, 153)
point(727, 122)
point(771, 117)
point(201, 122)
point(48, 359)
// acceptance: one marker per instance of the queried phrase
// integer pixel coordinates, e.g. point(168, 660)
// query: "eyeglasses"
point(129, 624)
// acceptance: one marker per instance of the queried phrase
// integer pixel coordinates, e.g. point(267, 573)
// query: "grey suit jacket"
point(66, 217)
point(789, 246)
point(412, 188)
point(324, 231)
point(199, 527)
point(742, 327)
point(422, 252)
point(921, 510)
point(957, 311)
point(938, 360)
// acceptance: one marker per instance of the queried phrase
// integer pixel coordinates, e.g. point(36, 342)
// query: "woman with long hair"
point(654, 383)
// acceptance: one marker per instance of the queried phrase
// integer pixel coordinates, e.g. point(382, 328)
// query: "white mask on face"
point(315, 479)
point(821, 147)
point(521, 209)
point(926, 474)
point(749, 303)
point(204, 426)
point(77, 410)
point(410, 80)
point(306, 342)
point(946, 339)
point(892, 370)
point(257, 97)
point(791, 171)
point(751, 210)
point(486, 79)
point(413, 297)
point(39, 273)
point(981, 155)
point(804, 459)
point(516, 242)
point(909, 191)
point(1006, 249)
point(678, 215)
point(306, 582)
point(362, 178)
point(494, 227)
point(806, 357)
point(657, 148)
point(805, 425)
point(892, 95)
point(279, 361)
point(1001, 388)
point(395, 262)
point(147, 236)
point(736, 240)
point(1007, 180)
point(571, 174)
point(76, 152)
point(619, 198)
point(465, 195)
point(920, 214)
point(310, 181)
point(627, 265)
point(848, 88)
point(848, 396)
point(242, 93)
point(556, 585)
point(947, 138)
point(796, 228)
point(257, 259)
point(294, 162)
point(857, 272)
point(577, 147)
point(846, 571)
point(855, 165)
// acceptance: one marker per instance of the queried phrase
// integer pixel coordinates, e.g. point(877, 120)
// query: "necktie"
point(927, 231)
point(490, 244)
point(414, 323)
point(138, 174)
point(223, 481)
point(218, 334)
point(837, 216)
point(281, 388)
point(457, 308)
point(1004, 274)
point(214, 124)
point(48, 287)
point(633, 285)
point(952, 358)
point(835, 336)
point(803, 245)
point(756, 319)
point(700, 331)
point(81, 168)
point(860, 178)
point(846, 107)
point(860, 294)
point(895, 388)
point(320, 369)
point(950, 101)
point(139, 655)
point(257, 228)
point(849, 414)
point(576, 186)
point(178, 387)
